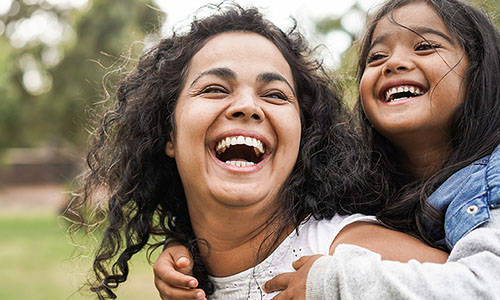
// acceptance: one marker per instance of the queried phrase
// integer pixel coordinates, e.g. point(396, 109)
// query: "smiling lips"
point(402, 92)
point(240, 151)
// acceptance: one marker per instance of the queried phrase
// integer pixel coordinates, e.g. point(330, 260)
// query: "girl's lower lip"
point(402, 101)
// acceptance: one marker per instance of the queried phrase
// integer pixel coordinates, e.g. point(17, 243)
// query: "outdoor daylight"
point(103, 108)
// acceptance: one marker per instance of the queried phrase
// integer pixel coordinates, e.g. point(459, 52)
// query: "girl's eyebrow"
point(419, 30)
point(424, 29)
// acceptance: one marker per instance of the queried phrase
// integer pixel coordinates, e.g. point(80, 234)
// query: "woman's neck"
point(233, 237)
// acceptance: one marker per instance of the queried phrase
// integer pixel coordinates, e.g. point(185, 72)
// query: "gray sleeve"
point(471, 272)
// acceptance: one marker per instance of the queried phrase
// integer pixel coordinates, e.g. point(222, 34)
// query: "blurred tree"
point(48, 79)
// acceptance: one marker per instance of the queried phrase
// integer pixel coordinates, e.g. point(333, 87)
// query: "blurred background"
point(59, 60)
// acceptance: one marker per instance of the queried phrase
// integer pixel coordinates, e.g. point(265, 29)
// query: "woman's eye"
point(214, 90)
point(276, 95)
point(426, 46)
point(374, 57)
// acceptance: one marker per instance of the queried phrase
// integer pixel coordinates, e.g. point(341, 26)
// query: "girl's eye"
point(423, 46)
point(276, 95)
point(214, 89)
point(374, 57)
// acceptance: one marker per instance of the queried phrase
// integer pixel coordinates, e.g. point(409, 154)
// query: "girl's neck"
point(232, 237)
point(426, 159)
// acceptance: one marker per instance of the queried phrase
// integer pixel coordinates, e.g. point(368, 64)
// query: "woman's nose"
point(245, 106)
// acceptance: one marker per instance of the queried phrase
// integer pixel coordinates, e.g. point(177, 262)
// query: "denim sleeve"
point(471, 272)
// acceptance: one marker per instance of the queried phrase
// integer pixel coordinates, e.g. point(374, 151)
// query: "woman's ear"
point(169, 147)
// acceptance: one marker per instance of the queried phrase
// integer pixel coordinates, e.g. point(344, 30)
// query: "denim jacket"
point(467, 197)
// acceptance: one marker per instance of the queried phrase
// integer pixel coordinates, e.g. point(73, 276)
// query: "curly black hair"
point(128, 166)
point(475, 127)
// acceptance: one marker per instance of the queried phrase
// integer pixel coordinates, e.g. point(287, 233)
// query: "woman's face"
point(237, 123)
point(413, 84)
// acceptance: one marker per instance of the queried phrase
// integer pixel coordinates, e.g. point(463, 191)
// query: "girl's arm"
point(472, 271)
point(172, 271)
point(392, 245)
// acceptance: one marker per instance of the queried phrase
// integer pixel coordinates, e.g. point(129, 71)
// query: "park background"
point(59, 61)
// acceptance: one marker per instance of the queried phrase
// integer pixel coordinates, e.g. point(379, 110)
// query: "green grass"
point(38, 262)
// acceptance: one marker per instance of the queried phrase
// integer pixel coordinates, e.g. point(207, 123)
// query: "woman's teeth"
point(240, 163)
point(227, 142)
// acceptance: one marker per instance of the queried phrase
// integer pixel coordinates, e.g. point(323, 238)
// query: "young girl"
point(430, 108)
point(430, 105)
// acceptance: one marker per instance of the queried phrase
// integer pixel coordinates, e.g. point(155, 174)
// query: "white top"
point(314, 237)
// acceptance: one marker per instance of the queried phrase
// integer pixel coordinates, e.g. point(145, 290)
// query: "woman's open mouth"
point(240, 151)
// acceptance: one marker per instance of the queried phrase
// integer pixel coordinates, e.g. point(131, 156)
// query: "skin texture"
point(431, 60)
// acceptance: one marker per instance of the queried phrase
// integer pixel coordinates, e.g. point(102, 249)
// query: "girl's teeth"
point(414, 90)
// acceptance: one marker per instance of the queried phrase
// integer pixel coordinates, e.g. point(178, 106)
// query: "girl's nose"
point(398, 62)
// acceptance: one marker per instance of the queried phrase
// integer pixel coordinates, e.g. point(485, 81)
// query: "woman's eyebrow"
point(224, 73)
point(271, 76)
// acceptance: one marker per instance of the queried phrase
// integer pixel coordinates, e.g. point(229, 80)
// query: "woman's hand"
point(172, 272)
point(292, 285)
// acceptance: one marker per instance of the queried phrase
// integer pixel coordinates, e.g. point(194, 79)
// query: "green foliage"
point(102, 37)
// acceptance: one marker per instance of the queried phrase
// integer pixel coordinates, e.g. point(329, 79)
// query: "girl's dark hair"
point(130, 170)
point(475, 125)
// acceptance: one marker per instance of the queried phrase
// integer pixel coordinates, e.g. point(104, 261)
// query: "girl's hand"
point(292, 285)
point(172, 272)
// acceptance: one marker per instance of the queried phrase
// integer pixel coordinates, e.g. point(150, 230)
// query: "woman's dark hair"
point(128, 166)
point(475, 127)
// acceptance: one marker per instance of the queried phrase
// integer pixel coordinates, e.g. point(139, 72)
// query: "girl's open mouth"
point(402, 92)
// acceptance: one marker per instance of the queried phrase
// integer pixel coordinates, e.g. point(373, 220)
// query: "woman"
point(230, 140)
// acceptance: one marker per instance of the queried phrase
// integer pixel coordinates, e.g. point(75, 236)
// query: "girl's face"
point(413, 83)
point(237, 123)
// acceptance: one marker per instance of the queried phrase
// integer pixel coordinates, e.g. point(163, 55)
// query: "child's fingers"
point(174, 293)
point(304, 260)
point(165, 270)
point(184, 265)
point(181, 256)
point(278, 283)
point(300, 262)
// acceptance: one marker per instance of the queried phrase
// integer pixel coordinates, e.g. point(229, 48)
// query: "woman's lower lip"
point(246, 169)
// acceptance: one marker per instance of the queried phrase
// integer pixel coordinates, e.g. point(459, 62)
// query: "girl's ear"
point(169, 147)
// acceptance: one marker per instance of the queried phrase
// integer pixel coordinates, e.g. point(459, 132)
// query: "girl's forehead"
point(414, 16)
